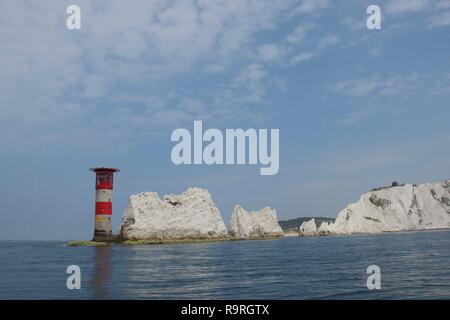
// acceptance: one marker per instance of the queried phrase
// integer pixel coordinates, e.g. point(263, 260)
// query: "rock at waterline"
point(191, 215)
point(308, 229)
point(254, 224)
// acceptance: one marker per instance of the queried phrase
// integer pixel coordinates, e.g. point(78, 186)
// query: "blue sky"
point(356, 108)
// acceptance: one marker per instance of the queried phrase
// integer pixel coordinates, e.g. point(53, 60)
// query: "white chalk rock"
point(308, 229)
point(324, 229)
point(191, 215)
point(399, 208)
point(254, 224)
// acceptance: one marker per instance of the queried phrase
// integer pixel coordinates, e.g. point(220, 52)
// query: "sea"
point(413, 265)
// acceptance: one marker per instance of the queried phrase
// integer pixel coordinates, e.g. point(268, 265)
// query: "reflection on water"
point(101, 276)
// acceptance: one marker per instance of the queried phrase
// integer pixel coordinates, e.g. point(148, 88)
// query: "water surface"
point(413, 265)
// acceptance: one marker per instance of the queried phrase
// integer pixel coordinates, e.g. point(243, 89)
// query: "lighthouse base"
point(106, 238)
point(103, 228)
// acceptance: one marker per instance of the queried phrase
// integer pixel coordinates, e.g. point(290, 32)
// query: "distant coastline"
point(292, 225)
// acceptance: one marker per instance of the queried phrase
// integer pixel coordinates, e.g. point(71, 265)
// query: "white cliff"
point(325, 228)
point(254, 224)
point(191, 215)
point(398, 208)
point(308, 229)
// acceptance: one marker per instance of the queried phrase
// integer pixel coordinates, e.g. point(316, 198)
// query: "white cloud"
point(215, 68)
point(388, 94)
point(435, 12)
point(329, 40)
point(311, 6)
point(443, 4)
point(307, 37)
point(354, 23)
point(440, 20)
point(391, 86)
point(125, 55)
point(359, 115)
point(302, 56)
point(299, 33)
point(404, 6)
point(140, 61)
point(271, 53)
point(252, 77)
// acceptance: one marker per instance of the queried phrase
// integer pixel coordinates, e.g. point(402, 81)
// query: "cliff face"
point(308, 229)
point(400, 208)
point(191, 215)
point(254, 224)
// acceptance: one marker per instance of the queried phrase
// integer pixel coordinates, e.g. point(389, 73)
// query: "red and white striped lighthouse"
point(103, 203)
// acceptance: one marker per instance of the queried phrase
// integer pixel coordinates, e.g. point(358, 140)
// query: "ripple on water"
point(413, 265)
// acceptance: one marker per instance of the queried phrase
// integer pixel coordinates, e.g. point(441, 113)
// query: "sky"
point(356, 108)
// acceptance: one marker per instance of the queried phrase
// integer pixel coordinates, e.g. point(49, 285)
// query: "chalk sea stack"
point(254, 224)
point(189, 216)
point(308, 229)
point(406, 207)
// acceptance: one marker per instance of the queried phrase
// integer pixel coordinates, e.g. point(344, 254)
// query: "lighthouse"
point(103, 203)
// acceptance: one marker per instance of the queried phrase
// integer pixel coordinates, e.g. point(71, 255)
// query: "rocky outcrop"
point(191, 215)
point(325, 228)
point(398, 208)
point(254, 224)
point(308, 229)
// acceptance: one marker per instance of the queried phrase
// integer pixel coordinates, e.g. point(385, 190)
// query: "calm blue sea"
point(413, 265)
